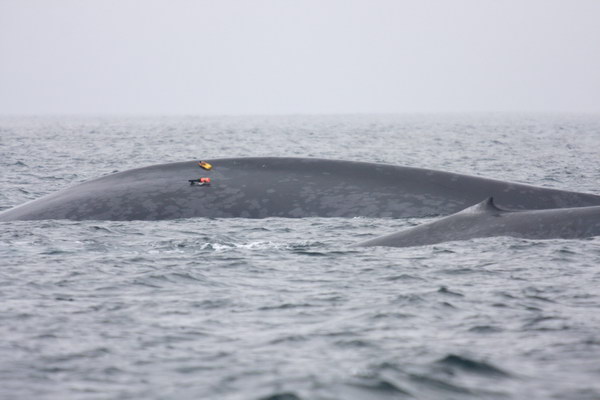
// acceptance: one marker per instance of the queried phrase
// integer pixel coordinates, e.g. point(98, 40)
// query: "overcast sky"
point(298, 56)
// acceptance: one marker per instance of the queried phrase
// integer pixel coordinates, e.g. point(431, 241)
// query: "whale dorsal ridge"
point(486, 206)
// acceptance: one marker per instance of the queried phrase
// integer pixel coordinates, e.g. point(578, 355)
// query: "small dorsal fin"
point(485, 206)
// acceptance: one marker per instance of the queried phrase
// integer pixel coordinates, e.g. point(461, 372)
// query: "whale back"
point(259, 187)
point(486, 219)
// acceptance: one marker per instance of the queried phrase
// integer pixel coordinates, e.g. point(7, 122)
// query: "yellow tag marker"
point(204, 165)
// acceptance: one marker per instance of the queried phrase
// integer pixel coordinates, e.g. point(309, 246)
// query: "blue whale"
point(262, 187)
point(486, 219)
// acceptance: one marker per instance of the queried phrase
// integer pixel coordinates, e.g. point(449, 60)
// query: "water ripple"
point(282, 309)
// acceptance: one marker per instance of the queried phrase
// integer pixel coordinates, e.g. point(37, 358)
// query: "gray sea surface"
point(287, 309)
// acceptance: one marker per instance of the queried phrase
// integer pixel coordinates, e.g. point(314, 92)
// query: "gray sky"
point(298, 56)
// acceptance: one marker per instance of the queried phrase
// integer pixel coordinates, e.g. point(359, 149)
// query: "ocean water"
point(287, 309)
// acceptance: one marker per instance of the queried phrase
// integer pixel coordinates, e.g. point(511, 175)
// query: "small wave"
point(445, 290)
point(466, 364)
point(546, 323)
point(311, 253)
point(95, 228)
point(258, 245)
point(157, 280)
point(407, 299)
point(281, 396)
point(285, 306)
point(437, 384)
point(392, 315)
point(404, 277)
point(379, 387)
point(485, 329)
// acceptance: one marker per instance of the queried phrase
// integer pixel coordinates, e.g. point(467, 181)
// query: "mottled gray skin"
point(284, 187)
point(486, 220)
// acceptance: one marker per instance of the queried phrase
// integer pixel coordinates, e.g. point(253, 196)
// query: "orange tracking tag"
point(199, 182)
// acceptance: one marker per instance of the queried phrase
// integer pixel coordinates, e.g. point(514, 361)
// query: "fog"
point(291, 56)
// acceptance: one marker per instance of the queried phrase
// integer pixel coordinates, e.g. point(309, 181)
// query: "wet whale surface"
point(486, 219)
point(261, 187)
